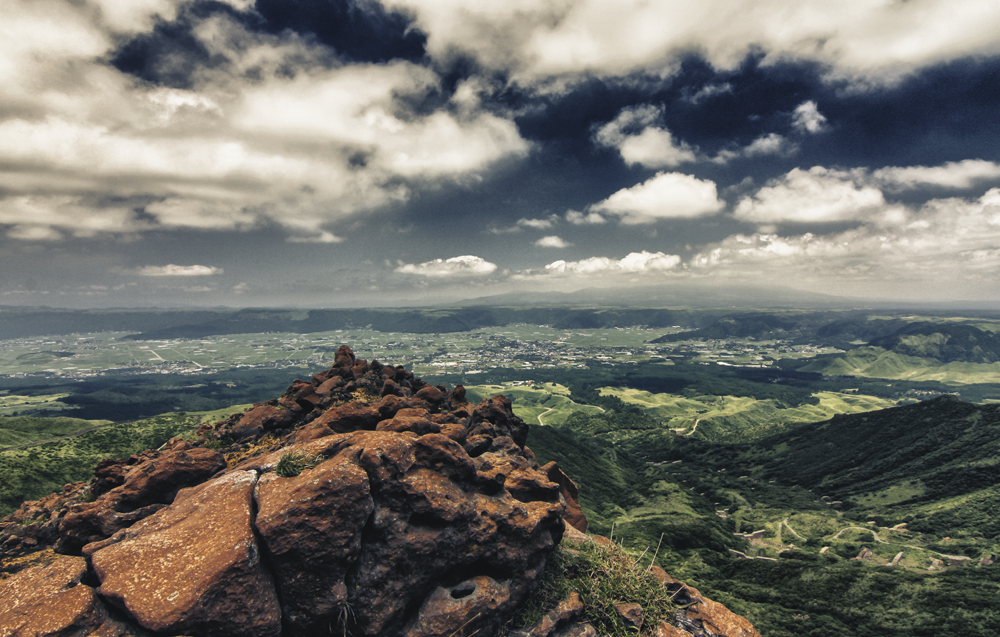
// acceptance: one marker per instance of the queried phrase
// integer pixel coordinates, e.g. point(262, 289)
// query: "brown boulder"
point(311, 527)
point(194, 568)
point(148, 486)
point(352, 416)
point(261, 418)
point(433, 395)
point(574, 515)
point(158, 480)
point(411, 419)
point(462, 610)
point(493, 418)
point(50, 600)
point(344, 358)
point(700, 615)
point(631, 614)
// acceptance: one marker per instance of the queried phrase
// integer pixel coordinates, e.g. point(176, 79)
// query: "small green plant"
point(293, 463)
point(603, 575)
point(87, 494)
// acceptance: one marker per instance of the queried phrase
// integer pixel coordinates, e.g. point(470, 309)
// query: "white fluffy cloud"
point(301, 152)
point(962, 174)
point(806, 118)
point(817, 195)
point(178, 270)
point(855, 39)
point(578, 218)
point(552, 242)
point(637, 134)
point(466, 265)
point(664, 196)
point(633, 263)
point(942, 247)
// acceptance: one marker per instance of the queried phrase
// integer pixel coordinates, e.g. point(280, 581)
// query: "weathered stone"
point(350, 417)
point(462, 610)
point(158, 480)
point(702, 616)
point(263, 417)
point(415, 420)
point(312, 431)
point(663, 629)
point(574, 515)
point(49, 600)
point(494, 418)
point(630, 613)
point(148, 486)
point(344, 358)
point(311, 528)
point(195, 567)
point(330, 385)
point(110, 473)
point(433, 395)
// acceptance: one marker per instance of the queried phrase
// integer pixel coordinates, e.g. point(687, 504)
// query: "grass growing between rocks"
point(293, 463)
point(604, 575)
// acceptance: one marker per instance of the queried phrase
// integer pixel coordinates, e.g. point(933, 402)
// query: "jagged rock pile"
point(361, 502)
point(411, 512)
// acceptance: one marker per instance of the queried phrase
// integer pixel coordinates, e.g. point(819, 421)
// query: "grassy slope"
point(678, 486)
point(740, 417)
point(546, 404)
point(35, 471)
point(875, 362)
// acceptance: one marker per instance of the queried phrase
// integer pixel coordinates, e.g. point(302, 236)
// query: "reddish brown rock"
point(700, 615)
point(148, 486)
point(415, 420)
point(631, 614)
point(158, 480)
point(390, 388)
point(195, 567)
point(574, 515)
point(311, 527)
point(110, 473)
point(663, 629)
point(312, 431)
point(470, 606)
point(50, 601)
point(344, 358)
point(432, 395)
point(263, 417)
point(350, 417)
point(330, 384)
point(493, 419)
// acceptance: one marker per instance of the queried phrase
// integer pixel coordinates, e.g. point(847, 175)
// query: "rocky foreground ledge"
point(361, 502)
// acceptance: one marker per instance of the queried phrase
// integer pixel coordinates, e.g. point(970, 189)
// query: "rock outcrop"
point(361, 501)
point(340, 504)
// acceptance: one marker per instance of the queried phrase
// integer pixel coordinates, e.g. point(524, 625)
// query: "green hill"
point(945, 342)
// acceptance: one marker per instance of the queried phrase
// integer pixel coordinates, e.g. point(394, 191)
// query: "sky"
point(338, 153)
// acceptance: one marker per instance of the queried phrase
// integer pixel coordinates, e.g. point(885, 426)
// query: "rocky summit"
point(362, 501)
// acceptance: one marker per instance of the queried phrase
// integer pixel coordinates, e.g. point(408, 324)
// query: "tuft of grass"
point(293, 463)
point(604, 575)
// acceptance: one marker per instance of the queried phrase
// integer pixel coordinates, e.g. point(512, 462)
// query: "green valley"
point(825, 473)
